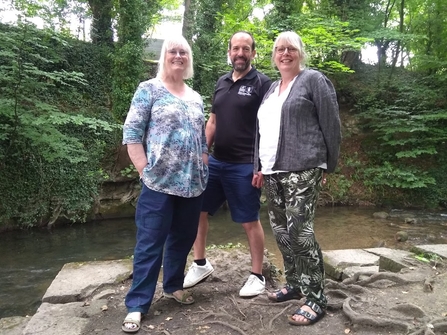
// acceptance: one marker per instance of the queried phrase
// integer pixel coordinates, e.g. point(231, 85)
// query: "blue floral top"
point(172, 131)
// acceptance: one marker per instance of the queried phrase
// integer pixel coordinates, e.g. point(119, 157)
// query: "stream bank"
point(88, 298)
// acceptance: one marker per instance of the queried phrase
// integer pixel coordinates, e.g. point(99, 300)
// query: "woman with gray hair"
point(165, 136)
point(298, 144)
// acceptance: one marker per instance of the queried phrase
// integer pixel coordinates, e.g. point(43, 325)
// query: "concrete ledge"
point(13, 325)
point(76, 281)
point(66, 319)
point(391, 260)
point(336, 261)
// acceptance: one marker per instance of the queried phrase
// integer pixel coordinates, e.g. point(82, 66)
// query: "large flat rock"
point(13, 325)
point(79, 291)
point(76, 281)
point(438, 249)
point(338, 262)
point(392, 260)
point(66, 319)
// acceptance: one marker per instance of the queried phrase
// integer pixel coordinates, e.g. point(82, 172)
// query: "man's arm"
point(137, 156)
point(210, 130)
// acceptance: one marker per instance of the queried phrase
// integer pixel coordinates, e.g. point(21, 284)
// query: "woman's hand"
point(205, 158)
point(258, 180)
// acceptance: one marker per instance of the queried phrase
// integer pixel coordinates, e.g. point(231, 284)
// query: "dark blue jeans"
point(166, 224)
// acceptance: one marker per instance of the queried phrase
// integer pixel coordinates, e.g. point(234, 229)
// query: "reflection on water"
point(31, 259)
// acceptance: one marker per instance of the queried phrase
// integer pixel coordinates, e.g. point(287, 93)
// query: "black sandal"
point(279, 296)
point(310, 317)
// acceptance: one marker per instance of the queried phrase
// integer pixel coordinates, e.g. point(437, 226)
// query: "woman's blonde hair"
point(294, 40)
point(175, 42)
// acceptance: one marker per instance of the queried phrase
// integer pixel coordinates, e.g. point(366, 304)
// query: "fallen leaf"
point(169, 318)
point(156, 313)
point(404, 292)
point(104, 308)
point(347, 331)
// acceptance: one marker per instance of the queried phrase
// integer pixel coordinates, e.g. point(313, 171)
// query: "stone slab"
point(76, 281)
point(438, 249)
point(66, 319)
point(13, 325)
point(352, 270)
point(392, 260)
point(336, 261)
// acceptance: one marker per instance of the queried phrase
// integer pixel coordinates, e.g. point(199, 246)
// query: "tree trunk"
point(101, 31)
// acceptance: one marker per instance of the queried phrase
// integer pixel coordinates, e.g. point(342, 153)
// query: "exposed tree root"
point(336, 294)
point(224, 315)
point(356, 277)
point(410, 309)
point(394, 277)
point(363, 319)
point(278, 315)
point(229, 326)
point(233, 300)
point(355, 289)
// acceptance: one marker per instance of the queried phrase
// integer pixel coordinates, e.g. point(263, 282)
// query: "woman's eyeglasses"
point(282, 50)
point(174, 52)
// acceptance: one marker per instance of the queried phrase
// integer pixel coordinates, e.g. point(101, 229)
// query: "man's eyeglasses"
point(174, 52)
point(282, 50)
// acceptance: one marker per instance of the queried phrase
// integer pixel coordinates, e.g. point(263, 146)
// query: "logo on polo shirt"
point(245, 90)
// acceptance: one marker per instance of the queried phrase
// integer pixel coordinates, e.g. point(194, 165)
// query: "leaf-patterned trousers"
point(292, 198)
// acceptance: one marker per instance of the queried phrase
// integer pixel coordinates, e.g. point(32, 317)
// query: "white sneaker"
point(253, 286)
point(197, 273)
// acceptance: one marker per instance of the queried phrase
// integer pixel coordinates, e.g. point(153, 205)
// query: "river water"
point(30, 259)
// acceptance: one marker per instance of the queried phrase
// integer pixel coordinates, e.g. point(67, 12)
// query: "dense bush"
point(54, 127)
point(405, 118)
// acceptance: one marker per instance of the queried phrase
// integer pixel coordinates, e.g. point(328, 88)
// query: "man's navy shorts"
point(232, 182)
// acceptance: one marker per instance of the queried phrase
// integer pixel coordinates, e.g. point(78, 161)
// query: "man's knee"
point(252, 226)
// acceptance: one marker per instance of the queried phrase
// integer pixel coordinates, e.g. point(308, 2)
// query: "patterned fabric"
point(291, 199)
point(172, 131)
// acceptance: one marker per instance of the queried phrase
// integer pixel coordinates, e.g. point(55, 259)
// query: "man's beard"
point(238, 67)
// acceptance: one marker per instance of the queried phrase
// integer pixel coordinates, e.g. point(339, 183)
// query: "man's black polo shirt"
point(236, 105)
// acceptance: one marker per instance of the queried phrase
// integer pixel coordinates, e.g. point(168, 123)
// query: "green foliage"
point(134, 17)
point(338, 188)
point(50, 151)
point(428, 257)
point(434, 195)
point(127, 73)
point(326, 39)
point(395, 176)
point(129, 171)
point(406, 121)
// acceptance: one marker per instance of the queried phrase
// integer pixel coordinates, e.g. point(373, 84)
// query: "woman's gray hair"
point(175, 42)
point(293, 39)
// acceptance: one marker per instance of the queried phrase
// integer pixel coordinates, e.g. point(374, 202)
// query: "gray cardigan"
point(309, 134)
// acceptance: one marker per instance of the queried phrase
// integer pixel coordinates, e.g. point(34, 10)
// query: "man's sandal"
point(311, 319)
point(182, 297)
point(132, 322)
point(280, 296)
